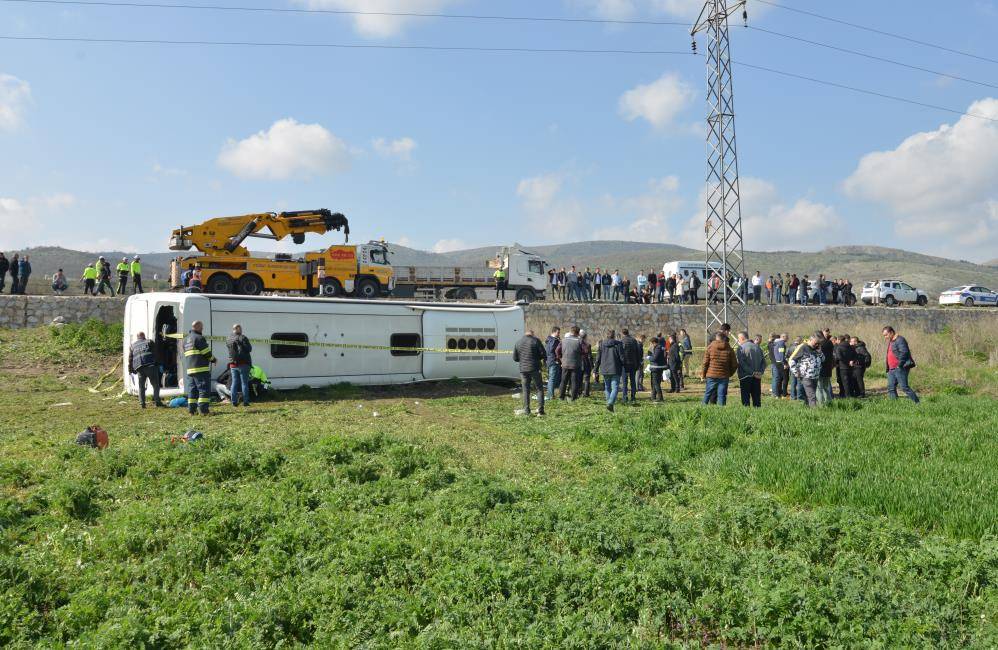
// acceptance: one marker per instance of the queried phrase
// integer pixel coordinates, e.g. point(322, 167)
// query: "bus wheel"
point(367, 288)
point(250, 285)
point(220, 283)
point(526, 295)
point(331, 288)
point(467, 294)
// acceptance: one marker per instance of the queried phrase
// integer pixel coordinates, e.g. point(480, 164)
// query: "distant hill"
point(857, 263)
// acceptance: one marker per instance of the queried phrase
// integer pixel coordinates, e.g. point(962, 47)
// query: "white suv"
point(892, 292)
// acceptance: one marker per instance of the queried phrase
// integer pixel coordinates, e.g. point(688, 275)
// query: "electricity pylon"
point(725, 254)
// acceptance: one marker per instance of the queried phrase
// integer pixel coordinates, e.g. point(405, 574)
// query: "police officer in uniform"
point(142, 362)
point(197, 361)
point(123, 270)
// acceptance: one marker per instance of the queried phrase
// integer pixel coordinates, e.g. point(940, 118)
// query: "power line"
point(881, 32)
point(463, 48)
point(358, 46)
point(865, 91)
point(873, 57)
point(347, 12)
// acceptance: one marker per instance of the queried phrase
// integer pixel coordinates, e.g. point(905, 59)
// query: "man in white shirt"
point(757, 287)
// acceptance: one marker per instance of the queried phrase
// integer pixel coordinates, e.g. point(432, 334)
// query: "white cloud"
point(939, 186)
point(288, 149)
point(404, 240)
point(658, 102)
point(374, 23)
point(23, 221)
point(14, 97)
point(161, 170)
point(644, 217)
point(541, 199)
point(769, 222)
point(448, 245)
point(400, 149)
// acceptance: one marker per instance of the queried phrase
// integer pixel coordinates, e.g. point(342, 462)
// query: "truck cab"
point(526, 273)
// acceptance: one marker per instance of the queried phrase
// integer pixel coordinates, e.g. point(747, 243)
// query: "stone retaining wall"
point(30, 311)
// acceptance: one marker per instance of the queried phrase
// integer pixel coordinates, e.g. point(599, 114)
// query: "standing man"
point(89, 279)
point(827, 364)
point(104, 276)
point(142, 362)
point(777, 358)
point(240, 363)
point(674, 359)
point(778, 288)
point(631, 351)
point(610, 362)
point(569, 354)
point(615, 282)
point(805, 364)
point(587, 361)
point(500, 277)
point(684, 340)
point(657, 364)
point(695, 283)
point(123, 270)
point(551, 357)
point(785, 367)
point(4, 265)
point(530, 354)
point(197, 362)
point(719, 363)
point(757, 288)
point(899, 364)
point(751, 366)
point(597, 284)
point(863, 361)
point(572, 278)
point(587, 285)
point(845, 358)
point(136, 275)
point(24, 270)
point(14, 270)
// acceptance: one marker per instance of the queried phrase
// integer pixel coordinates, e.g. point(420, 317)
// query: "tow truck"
point(228, 267)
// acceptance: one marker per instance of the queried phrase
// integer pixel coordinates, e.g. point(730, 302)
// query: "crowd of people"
point(604, 285)
point(97, 277)
point(19, 269)
point(801, 370)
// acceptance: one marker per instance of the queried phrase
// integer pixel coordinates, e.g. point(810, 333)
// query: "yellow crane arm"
point(225, 235)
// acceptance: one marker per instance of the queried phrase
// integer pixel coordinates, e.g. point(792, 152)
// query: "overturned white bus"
point(330, 341)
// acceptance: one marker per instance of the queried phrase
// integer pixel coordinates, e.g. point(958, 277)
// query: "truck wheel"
point(367, 288)
point(220, 283)
point(526, 295)
point(331, 288)
point(922, 301)
point(467, 294)
point(969, 302)
point(250, 285)
point(890, 301)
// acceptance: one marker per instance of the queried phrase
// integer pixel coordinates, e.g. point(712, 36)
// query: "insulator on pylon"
point(694, 45)
point(745, 16)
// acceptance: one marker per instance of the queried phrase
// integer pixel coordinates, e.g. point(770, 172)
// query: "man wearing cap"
point(136, 270)
point(197, 362)
point(103, 276)
point(122, 269)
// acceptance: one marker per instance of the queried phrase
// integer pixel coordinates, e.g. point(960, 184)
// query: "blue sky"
point(113, 145)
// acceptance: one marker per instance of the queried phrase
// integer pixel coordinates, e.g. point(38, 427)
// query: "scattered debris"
point(190, 436)
point(93, 436)
point(62, 404)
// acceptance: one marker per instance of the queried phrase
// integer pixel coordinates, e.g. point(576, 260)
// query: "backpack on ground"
point(93, 436)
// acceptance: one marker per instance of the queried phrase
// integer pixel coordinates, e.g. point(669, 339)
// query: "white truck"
point(526, 278)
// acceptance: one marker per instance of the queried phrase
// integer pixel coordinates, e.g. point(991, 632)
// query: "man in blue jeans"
point(899, 364)
point(240, 363)
point(610, 362)
point(719, 363)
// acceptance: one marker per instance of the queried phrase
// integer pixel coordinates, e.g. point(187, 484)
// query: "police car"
point(969, 295)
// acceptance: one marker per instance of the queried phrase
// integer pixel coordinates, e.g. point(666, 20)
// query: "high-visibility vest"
point(197, 354)
point(122, 267)
point(136, 268)
point(499, 274)
point(89, 273)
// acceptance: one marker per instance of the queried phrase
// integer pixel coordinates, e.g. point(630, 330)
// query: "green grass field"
point(444, 521)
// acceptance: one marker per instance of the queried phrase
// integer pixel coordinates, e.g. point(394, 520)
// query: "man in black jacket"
point(863, 361)
point(14, 261)
point(142, 362)
point(569, 354)
point(631, 351)
point(824, 392)
point(845, 357)
point(551, 357)
point(240, 363)
point(4, 265)
point(530, 354)
point(610, 363)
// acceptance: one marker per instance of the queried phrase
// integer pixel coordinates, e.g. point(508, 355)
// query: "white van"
point(699, 268)
point(347, 335)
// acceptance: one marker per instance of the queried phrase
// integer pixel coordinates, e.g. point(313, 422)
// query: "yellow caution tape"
point(354, 346)
point(105, 376)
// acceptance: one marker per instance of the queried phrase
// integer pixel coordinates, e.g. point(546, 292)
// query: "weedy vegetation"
point(447, 522)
